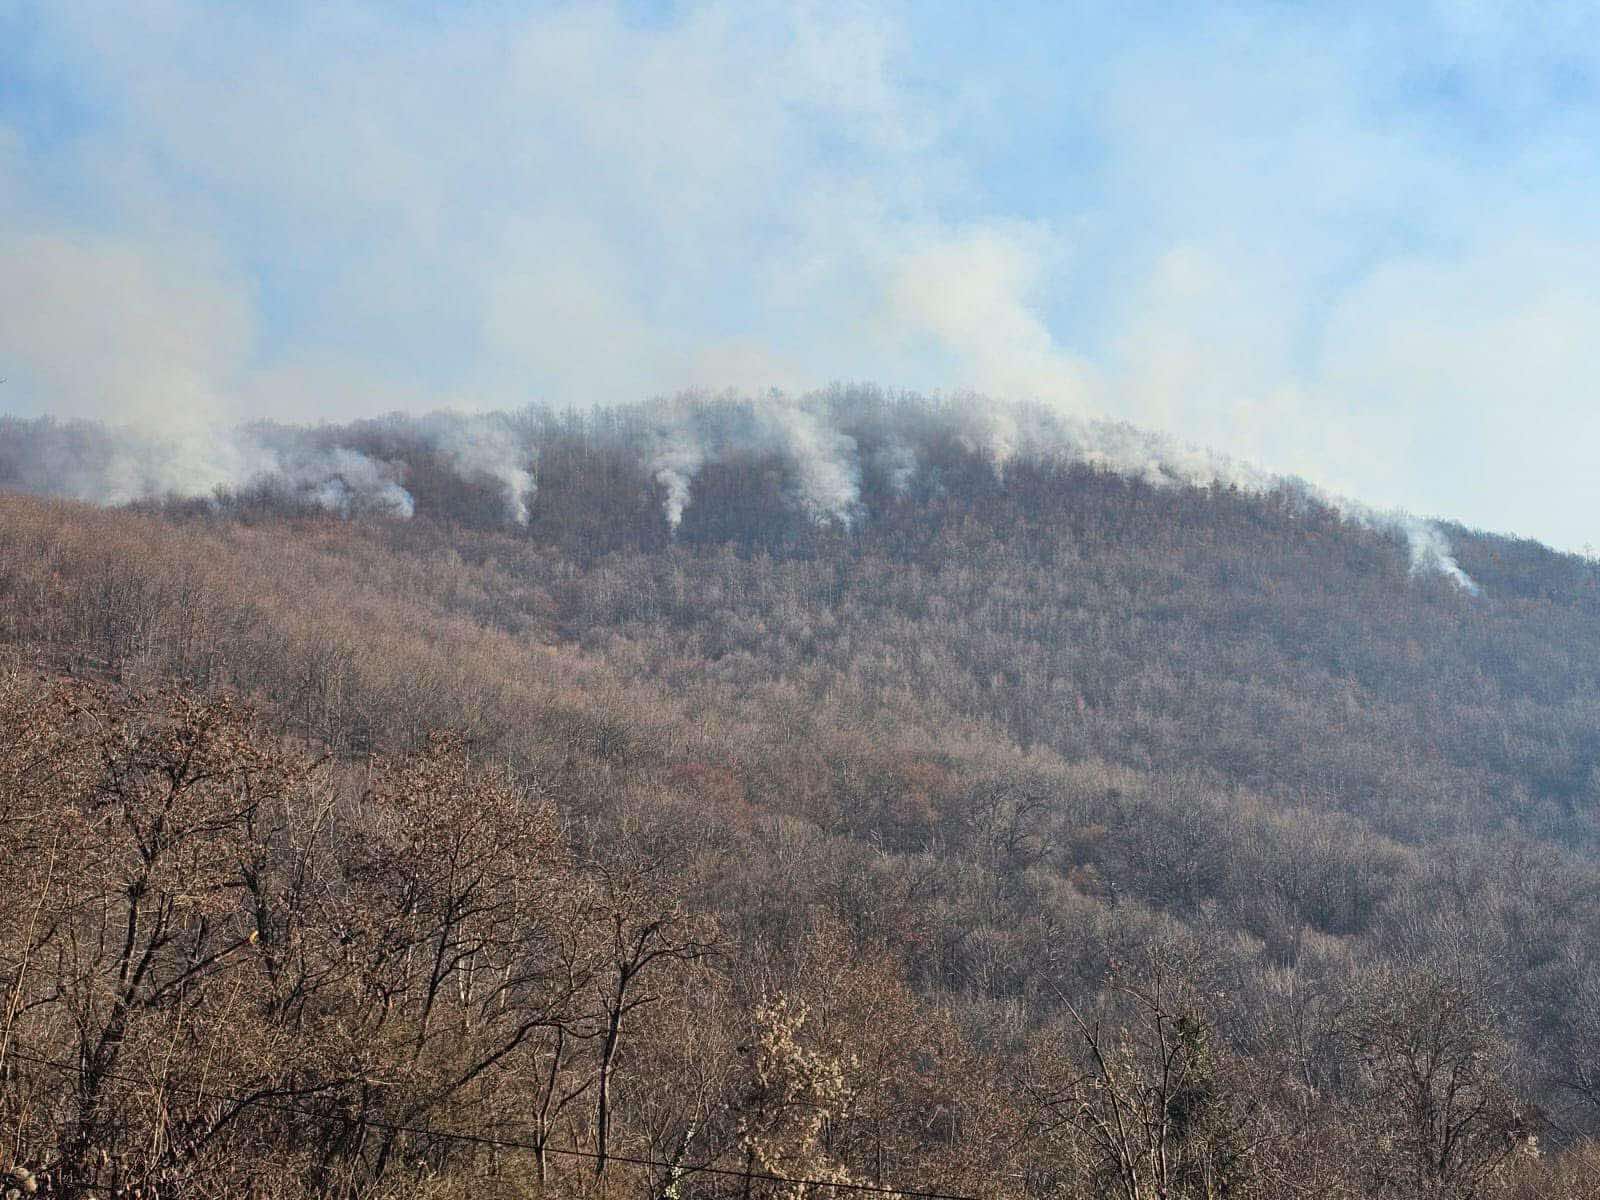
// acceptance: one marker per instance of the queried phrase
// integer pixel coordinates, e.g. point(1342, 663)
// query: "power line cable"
point(507, 1143)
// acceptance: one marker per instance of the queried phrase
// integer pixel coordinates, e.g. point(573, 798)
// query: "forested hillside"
point(696, 806)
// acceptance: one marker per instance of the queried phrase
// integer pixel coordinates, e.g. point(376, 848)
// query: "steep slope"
point(993, 733)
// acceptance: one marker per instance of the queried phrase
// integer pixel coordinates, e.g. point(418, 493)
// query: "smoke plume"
point(690, 431)
point(1162, 461)
point(485, 446)
point(824, 440)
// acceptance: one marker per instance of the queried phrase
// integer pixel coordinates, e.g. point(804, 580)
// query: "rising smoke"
point(690, 431)
point(824, 439)
point(485, 446)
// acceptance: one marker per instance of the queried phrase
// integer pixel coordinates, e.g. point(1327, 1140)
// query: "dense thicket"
point(1037, 831)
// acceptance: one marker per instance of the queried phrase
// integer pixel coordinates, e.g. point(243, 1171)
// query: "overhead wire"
point(506, 1143)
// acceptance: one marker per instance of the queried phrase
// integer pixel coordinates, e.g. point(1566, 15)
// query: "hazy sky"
point(1360, 244)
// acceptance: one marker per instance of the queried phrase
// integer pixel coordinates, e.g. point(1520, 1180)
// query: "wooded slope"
point(923, 798)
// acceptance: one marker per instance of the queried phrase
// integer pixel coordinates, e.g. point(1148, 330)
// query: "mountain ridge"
point(842, 452)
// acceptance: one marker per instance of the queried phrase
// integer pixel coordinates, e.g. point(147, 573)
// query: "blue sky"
point(1354, 242)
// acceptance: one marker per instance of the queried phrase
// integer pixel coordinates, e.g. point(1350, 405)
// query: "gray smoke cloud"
point(297, 465)
point(361, 470)
point(84, 460)
point(352, 483)
point(107, 464)
point(1250, 247)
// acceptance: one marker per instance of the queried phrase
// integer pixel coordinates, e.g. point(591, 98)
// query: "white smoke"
point(83, 460)
point(691, 431)
point(1430, 549)
point(825, 459)
point(898, 464)
point(1006, 431)
point(1160, 460)
point(674, 463)
point(811, 434)
point(338, 479)
point(484, 445)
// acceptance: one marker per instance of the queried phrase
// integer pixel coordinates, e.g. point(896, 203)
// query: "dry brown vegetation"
point(1070, 839)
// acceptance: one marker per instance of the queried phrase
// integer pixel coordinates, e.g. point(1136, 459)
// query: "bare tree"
point(1136, 1098)
point(1441, 1120)
point(647, 928)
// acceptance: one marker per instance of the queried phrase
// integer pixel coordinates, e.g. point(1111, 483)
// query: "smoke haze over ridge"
point(825, 440)
point(1355, 247)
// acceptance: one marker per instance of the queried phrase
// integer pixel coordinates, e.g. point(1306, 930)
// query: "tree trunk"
point(602, 1119)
